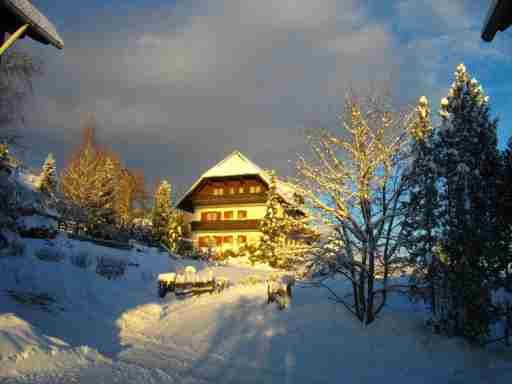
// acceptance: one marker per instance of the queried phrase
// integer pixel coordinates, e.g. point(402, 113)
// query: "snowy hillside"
point(63, 323)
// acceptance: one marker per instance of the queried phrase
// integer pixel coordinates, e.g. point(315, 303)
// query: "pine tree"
point(174, 231)
point(272, 228)
point(504, 209)
point(48, 177)
point(162, 211)
point(421, 222)
point(107, 187)
point(466, 156)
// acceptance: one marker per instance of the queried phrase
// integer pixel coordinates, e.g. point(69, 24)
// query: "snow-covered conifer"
point(466, 157)
point(48, 177)
point(162, 211)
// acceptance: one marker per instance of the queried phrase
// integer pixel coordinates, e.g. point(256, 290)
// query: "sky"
point(177, 85)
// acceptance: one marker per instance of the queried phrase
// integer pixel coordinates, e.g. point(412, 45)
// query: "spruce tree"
point(162, 211)
point(421, 222)
point(174, 231)
point(466, 158)
point(48, 177)
point(272, 228)
point(504, 209)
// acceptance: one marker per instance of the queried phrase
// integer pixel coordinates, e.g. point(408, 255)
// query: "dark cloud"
point(176, 88)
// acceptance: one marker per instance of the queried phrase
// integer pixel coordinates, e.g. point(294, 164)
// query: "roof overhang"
point(14, 14)
point(499, 18)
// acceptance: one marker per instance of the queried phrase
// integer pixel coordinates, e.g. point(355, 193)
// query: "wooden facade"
point(233, 190)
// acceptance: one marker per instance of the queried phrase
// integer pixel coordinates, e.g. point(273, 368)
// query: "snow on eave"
point(248, 168)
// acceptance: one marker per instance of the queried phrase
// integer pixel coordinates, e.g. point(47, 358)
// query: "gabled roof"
point(236, 164)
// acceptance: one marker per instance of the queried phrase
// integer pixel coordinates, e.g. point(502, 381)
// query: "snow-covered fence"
point(279, 289)
point(103, 243)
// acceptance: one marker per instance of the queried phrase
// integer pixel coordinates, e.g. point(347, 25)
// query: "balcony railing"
point(246, 198)
point(223, 225)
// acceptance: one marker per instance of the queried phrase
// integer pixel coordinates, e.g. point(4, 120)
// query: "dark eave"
point(499, 18)
point(16, 13)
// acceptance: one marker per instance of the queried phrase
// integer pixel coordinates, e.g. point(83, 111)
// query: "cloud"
point(176, 88)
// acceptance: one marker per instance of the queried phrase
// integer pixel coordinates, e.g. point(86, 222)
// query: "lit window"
point(228, 215)
point(231, 191)
point(257, 189)
point(252, 189)
point(218, 191)
point(242, 214)
point(241, 190)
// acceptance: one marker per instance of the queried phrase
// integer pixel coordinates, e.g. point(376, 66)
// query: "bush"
point(81, 260)
point(49, 254)
point(111, 268)
point(228, 254)
point(252, 280)
point(17, 248)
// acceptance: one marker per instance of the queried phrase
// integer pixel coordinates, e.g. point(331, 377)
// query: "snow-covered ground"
point(61, 324)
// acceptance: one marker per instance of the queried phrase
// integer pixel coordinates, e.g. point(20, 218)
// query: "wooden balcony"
point(225, 225)
point(246, 198)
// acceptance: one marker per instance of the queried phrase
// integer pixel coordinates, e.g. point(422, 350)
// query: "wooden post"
point(15, 36)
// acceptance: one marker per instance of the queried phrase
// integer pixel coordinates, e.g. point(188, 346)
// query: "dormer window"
point(241, 190)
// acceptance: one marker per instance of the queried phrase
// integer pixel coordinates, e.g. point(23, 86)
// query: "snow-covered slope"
point(95, 330)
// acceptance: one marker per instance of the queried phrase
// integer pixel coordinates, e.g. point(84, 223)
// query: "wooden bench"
point(188, 282)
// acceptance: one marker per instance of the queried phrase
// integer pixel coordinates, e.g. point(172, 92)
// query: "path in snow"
point(236, 338)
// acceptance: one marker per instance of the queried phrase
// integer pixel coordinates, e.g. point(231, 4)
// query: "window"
point(210, 216)
point(204, 241)
point(232, 191)
point(242, 239)
point(242, 214)
point(228, 215)
point(241, 190)
point(218, 191)
point(218, 241)
point(255, 189)
point(228, 239)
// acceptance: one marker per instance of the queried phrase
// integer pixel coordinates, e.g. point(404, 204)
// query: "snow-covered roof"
point(236, 164)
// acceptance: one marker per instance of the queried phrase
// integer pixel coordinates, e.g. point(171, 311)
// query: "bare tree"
point(355, 180)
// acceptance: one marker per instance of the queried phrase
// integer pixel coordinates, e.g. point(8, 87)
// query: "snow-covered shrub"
point(81, 260)
point(252, 280)
point(17, 248)
point(111, 268)
point(49, 254)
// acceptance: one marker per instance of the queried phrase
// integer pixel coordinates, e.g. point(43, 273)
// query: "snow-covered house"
point(227, 202)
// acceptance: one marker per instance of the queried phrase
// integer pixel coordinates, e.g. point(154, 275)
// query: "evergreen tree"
point(421, 222)
point(466, 158)
point(48, 177)
point(272, 227)
point(504, 209)
point(162, 211)
point(107, 188)
point(174, 231)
